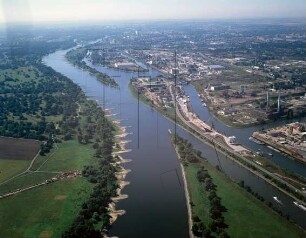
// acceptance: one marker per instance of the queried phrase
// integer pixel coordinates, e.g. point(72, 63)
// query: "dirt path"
point(30, 166)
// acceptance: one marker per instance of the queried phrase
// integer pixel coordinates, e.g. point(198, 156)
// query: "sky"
point(33, 11)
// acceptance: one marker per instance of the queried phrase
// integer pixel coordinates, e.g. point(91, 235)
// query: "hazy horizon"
point(35, 11)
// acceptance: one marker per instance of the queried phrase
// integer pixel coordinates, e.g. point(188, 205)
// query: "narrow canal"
point(243, 134)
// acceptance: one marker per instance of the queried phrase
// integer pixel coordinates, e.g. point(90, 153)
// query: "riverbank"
point(239, 204)
point(279, 147)
point(247, 163)
point(168, 113)
point(120, 175)
point(76, 57)
point(186, 189)
point(127, 70)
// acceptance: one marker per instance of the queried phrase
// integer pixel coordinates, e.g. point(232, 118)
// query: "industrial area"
point(289, 139)
point(240, 96)
point(241, 84)
point(113, 58)
point(249, 104)
point(154, 89)
point(164, 93)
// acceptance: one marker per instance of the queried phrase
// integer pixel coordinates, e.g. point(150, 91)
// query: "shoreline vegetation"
point(221, 207)
point(99, 212)
point(186, 189)
point(76, 57)
point(78, 141)
point(274, 181)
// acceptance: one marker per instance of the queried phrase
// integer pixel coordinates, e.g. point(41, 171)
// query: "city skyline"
point(34, 11)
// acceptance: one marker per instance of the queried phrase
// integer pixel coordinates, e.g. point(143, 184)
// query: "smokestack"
point(278, 103)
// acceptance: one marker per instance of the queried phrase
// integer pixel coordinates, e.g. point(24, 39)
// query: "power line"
point(169, 171)
point(219, 162)
point(175, 81)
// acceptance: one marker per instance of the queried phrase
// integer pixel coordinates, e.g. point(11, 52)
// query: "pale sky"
point(96, 10)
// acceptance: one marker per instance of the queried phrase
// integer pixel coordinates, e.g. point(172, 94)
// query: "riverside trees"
point(94, 219)
point(216, 226)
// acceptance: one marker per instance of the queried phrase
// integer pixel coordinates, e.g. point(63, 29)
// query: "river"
point(156, 204)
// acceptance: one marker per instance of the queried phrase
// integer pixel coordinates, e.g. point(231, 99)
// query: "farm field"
point(64, 197)
point(16, 155)
point(10, 168)
point(66, 156)
point(18, 149)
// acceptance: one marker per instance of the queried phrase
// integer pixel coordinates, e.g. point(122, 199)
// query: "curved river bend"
point(156, 204)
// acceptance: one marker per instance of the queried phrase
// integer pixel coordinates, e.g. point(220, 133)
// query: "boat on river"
point(277, 200)
point(299, 205)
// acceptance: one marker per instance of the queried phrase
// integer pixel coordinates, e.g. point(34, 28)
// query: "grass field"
point(71, 155)
point(9, 168)
point(24, 181)
point(15, 156)
point(246, 216)
point(43, 212)
point(48, 210)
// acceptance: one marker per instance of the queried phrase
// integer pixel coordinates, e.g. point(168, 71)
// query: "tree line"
point(216, 226)
point(93, 220)
point(77, 56)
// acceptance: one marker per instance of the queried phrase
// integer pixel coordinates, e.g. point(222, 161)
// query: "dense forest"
point(31, 91)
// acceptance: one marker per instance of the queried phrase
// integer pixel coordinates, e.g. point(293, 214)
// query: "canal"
point(243, 134)
point(156, 204)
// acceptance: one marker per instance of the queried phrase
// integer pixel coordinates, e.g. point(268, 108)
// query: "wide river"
point(156, 204)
